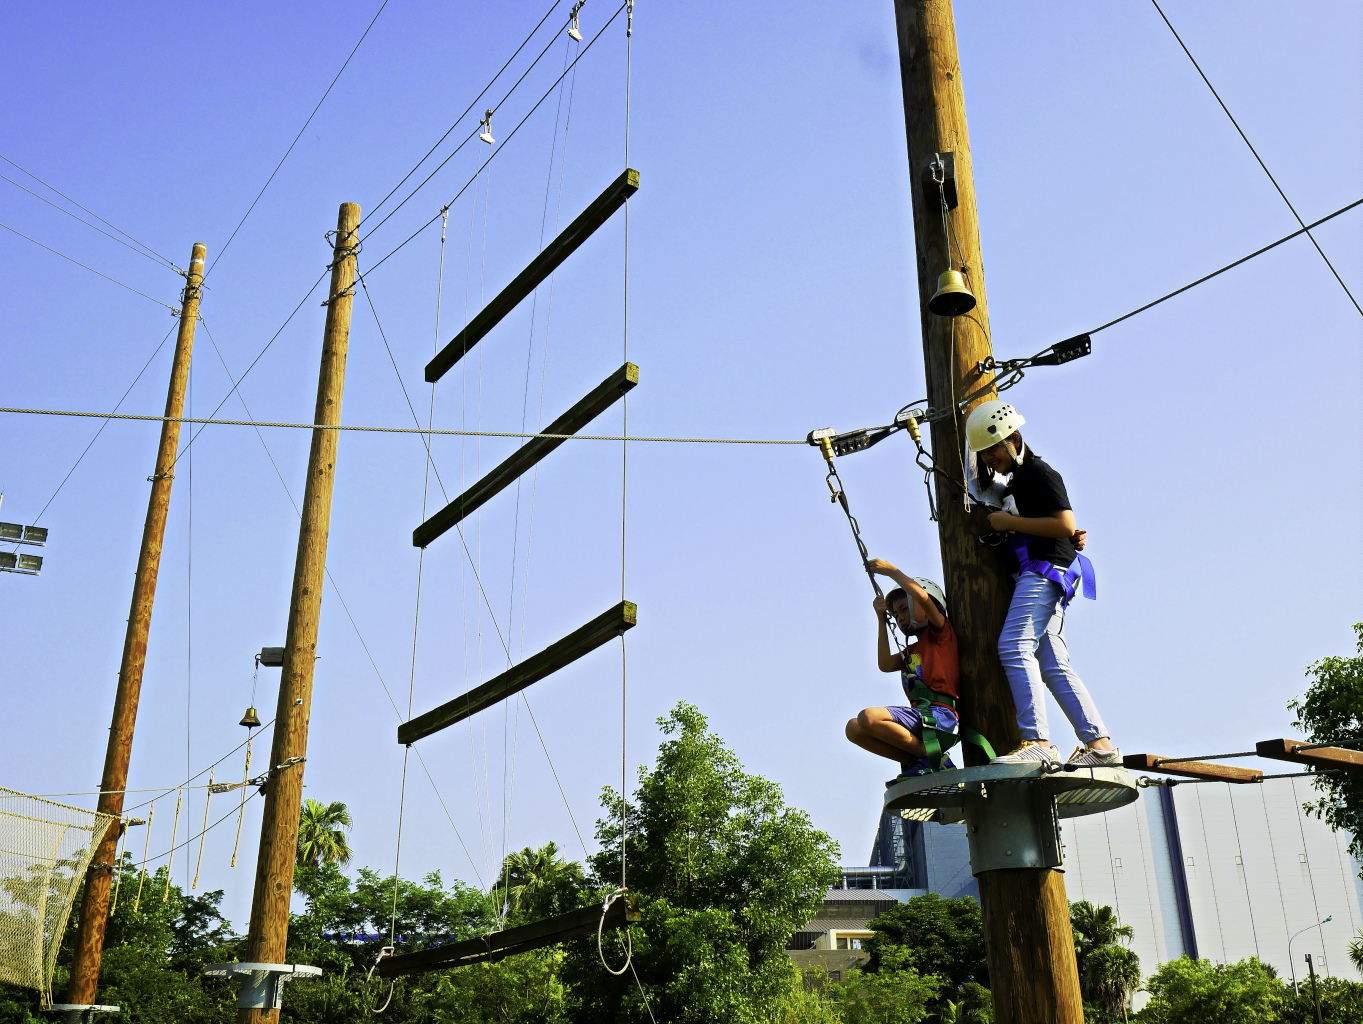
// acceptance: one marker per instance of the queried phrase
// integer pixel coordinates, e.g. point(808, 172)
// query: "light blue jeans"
point(1032, 649)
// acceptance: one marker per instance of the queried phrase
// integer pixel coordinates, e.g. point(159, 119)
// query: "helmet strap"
point(1017, 453)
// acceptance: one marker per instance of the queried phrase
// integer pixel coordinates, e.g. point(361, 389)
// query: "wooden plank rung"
point(575, 924)
point(1191, 769)
point(1341, 758)
point(579, 642)
point(540, 268)
point(597, 401)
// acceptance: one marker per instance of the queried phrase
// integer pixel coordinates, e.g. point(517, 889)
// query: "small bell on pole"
point(952, 297)
point(251, 720)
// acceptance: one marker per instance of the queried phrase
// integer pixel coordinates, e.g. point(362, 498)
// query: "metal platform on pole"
point(1012, 812)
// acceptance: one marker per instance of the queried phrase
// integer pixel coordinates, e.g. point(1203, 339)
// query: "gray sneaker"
point(1087, 757)
point(1030, 751)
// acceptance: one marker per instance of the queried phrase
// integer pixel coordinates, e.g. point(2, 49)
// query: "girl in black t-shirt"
point(1046, 543)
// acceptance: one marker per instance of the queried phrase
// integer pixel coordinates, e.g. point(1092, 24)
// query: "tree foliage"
point(895, 994)
point(724, 871)
point(1187, 991)
point(322, 832)
point(538, 883)
point(937, 935)
point(1331, 711)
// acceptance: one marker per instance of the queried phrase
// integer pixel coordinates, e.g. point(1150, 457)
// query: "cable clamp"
point(160, 476)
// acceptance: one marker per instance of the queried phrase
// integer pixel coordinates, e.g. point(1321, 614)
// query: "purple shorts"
point(911, 719)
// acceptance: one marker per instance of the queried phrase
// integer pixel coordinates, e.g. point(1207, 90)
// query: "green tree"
point(723, 870)
point(1094, 928)
point(1356, 952)
point(1187, 991)
point(895, 994)
point(321, 833)
point(1331, 711)
point(942, 937)
point(1112, 975)
point(538, 883)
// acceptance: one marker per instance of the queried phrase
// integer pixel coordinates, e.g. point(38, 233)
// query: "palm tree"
point(1114, 973)
point(1356, 952)
point(1094, 927)
point(321, 834)
point(530, 874)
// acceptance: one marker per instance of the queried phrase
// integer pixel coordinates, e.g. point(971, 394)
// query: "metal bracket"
point(1013, 825)
point(262, 985)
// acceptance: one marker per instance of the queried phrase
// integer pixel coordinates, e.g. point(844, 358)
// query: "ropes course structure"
point(45, 849)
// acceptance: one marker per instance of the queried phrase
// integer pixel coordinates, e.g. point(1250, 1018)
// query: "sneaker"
point(1087, 757)
point(917, 769)
point(1031, 750)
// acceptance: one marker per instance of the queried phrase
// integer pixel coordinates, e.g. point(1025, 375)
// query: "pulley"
point(251, 720)
point(952, 297)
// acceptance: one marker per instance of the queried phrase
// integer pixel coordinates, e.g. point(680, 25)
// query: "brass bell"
point(251, 720)
point(952, 297)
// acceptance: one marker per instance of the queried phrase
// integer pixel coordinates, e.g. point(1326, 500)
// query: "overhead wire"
point(1254, 152)
point(499, 148)
point(337, 78)
point(143, 252)
point(162, 259)
point(84, 451)
point(92, 270)
point(346, 609)
point(471, 135)
point(419, 430)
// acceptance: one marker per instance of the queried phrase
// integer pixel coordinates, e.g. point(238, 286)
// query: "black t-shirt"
point(1039, 491)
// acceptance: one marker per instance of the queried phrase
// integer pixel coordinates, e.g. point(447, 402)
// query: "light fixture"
point(486, 125)
point(574, 30)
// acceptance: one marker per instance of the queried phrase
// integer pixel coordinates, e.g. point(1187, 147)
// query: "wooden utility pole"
point(94, 908)
point(269, 929)
point(1032, 970)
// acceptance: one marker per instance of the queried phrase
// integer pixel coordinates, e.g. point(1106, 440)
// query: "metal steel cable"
point(85, 451)
point(379, 205)
point(468, 138)
point(92, 213)
point(501, 145)
point(1260, 160)
point(1229, 266)
point(395, 430)
point(158, 260)
point(349, 616)
point(91, 269)
point(363, 35)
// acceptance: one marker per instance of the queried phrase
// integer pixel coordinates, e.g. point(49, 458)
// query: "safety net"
point(45, 848)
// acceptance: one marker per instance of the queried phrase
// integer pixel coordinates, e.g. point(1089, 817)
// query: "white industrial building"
point(1213, 870)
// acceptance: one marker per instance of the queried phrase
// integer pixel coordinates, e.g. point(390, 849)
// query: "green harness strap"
point(937, 742)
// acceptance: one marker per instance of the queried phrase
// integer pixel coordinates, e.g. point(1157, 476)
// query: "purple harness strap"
point(1068, 579)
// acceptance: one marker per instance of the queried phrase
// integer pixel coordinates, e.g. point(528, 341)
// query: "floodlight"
point(35, 535)
point(11, 531)
point(31, 563)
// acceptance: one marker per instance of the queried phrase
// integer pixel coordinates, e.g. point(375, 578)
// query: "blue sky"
point(1208, 444)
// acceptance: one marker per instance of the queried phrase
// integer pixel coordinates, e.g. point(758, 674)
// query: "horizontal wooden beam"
point(576, 924)
point(534, 668)
point(540, 267)
point(601, 398)
point(1317, 757)
point(1191, 769)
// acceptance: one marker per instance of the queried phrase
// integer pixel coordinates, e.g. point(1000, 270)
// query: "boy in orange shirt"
point(929, 671)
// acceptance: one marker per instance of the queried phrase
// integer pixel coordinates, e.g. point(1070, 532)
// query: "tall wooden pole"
point(94, 909)
point(1032, 969)
point(269, 929)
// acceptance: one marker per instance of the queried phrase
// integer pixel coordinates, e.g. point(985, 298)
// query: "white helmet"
point(989, 423)
point(934, 591)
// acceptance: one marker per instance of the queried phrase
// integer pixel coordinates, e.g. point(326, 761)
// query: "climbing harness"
point(1080, 569)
